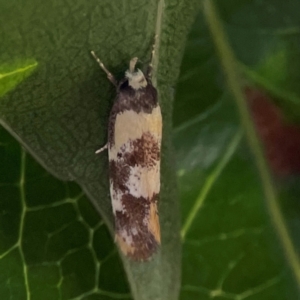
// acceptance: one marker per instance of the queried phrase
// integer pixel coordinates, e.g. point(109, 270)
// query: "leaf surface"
point(60, 114)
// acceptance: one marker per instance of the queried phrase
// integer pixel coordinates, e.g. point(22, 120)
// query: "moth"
point(134, 146)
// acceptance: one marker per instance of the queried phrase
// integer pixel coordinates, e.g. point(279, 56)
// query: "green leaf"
point(198, 87)
point(265, 38)
point(231, 247)
point(59, 114)
point(12, 74)
point(51, 236)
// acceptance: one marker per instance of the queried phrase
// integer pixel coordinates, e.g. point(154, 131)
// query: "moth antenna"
point(110, 76)
point(132, 64)
point(150, 67)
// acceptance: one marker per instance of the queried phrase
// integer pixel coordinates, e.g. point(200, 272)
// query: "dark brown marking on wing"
point(119, 175)
point(136, 215)
point(145, 151)
point(141, 100)
point(155, 198)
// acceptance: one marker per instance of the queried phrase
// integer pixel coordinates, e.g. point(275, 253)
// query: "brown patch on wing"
point(145, 151)
point(119, 174)
point(140, 222)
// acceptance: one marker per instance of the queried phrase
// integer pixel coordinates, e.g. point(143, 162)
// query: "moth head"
point(136, 78)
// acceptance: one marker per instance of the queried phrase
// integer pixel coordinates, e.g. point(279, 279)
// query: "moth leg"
point(110, 76)
point(150, 67)
point(102, 149)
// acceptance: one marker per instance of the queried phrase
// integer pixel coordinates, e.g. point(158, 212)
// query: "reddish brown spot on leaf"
point(280, 138)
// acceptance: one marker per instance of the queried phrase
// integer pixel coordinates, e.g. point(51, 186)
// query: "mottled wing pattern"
point(134, 164)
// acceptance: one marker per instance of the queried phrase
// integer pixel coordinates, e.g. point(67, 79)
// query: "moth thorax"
point(136, 79)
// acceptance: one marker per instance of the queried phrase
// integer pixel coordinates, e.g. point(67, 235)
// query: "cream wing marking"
point(126, 127)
